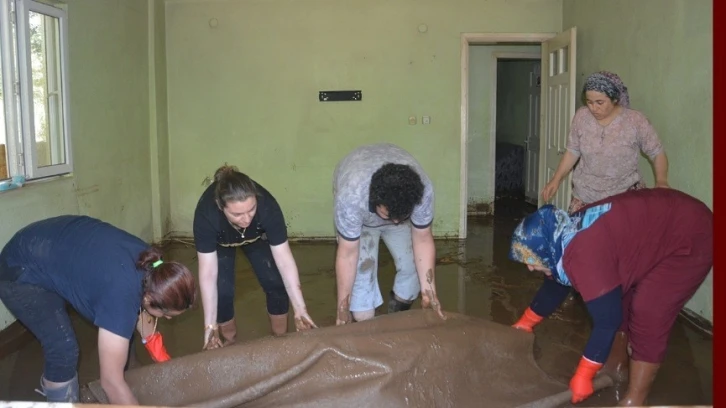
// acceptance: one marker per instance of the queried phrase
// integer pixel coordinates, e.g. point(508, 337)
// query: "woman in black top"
point(234, 211)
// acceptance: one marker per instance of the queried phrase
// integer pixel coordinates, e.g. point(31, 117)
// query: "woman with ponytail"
point(110, 277)
point(236, 212)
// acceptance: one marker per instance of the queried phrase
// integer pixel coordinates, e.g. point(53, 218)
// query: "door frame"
point(468, 39)
point(496, 56)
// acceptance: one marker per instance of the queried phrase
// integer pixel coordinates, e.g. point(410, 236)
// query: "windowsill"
point(32, 184)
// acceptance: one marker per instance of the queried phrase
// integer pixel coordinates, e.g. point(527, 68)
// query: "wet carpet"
point(411, 358)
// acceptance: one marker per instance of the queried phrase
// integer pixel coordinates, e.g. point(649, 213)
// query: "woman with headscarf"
point(636, 258)
point(606, 136)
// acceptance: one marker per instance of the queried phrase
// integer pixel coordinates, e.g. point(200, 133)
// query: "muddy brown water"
point(474, 277)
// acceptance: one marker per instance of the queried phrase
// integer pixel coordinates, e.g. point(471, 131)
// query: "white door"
point(531, 144)
point(558, 108)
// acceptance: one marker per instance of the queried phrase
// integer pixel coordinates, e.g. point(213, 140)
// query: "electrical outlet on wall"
point(426, 120)
point(411, 120)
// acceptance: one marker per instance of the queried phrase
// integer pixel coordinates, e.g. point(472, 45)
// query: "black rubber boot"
point(395, 305)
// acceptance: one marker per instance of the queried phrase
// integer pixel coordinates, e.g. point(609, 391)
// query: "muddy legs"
point(278, 324)
point(641, 375)
point(638, 375)
point(616, 365)
point(228, 331)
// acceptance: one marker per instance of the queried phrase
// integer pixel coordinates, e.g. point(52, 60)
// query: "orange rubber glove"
point(528, 320)
point(581, 382)
point(155, 346)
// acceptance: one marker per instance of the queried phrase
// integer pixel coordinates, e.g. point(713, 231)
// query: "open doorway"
point(503, 118)
point(516, 122)
point(558, 53)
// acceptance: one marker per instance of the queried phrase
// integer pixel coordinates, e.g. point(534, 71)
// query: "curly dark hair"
point(397, 187)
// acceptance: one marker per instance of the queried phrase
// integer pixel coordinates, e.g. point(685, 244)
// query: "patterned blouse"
point(609, 154)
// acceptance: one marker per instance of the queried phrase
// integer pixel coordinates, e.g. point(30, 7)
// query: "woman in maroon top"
point(636, 258)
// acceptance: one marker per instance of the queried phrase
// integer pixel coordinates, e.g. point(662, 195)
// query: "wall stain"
point(80, 192)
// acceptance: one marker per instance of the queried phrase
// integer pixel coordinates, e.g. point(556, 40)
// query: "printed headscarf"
point(609, 84)
point(541, 238)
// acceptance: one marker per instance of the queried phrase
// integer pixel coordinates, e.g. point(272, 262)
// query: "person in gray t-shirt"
point(382, 192)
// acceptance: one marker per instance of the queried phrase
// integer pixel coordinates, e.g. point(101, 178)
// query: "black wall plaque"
point(340, 96)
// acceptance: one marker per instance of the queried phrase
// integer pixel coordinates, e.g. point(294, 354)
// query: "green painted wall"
point(662, 49)
point(513, 99)
point(158, 123)
point(480, 167)
point(245, 91)
point(109, 108)
point(110, 111)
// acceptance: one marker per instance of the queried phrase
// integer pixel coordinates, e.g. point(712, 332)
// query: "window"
point(34, 136)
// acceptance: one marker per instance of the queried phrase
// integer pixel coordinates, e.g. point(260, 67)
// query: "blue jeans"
point(44, 313)
point(366, 295)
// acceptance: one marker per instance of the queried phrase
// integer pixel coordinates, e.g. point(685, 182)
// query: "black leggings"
point(263, 264)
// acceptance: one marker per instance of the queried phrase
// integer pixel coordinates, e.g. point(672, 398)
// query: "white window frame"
point(18, 89)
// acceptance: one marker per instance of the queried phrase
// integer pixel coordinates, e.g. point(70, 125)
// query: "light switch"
point(411, 120)
point(426, 120)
